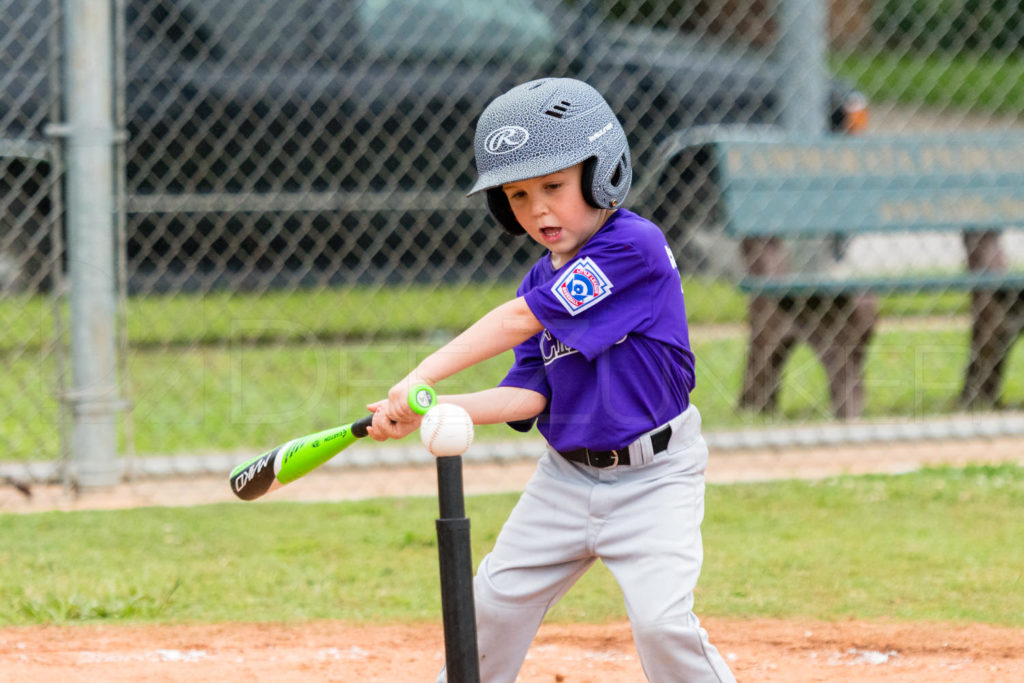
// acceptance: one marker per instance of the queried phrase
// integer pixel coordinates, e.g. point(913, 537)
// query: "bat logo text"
point(248, 474)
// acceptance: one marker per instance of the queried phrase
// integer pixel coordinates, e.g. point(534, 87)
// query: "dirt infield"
point(757, 650)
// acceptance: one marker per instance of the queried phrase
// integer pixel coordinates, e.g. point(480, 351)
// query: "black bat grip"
point(360, 425)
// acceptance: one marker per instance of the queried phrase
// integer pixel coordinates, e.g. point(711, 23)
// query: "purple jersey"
point(614, 359)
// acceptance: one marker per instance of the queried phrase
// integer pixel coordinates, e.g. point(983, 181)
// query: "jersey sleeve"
point(527, 372)
point(606, 293)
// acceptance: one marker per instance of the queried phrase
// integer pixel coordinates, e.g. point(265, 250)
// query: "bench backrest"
point(838, 185)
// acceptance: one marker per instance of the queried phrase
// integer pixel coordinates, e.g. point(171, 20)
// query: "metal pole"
point(456, 565)
point(803, 45)
point(91, 227)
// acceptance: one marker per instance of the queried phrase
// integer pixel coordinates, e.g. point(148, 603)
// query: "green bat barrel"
point(299, 457)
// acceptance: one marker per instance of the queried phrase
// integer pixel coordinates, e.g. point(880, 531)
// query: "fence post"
point(91, 228)
point(803, 46)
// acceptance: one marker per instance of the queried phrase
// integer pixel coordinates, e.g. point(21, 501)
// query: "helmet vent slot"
point(559, 110)
point(616, 176)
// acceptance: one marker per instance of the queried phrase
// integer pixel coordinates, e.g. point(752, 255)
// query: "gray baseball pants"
point(643, 521)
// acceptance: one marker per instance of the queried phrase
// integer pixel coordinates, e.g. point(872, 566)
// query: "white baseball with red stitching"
point(446, 430)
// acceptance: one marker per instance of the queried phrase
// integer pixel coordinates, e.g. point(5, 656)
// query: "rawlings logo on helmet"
point(506, 139)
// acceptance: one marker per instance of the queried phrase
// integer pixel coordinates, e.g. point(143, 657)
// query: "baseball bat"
point(282, 465)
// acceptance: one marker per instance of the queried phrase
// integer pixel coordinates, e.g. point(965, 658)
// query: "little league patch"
point(581, 286)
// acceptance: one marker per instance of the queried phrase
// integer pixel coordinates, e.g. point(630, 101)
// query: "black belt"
point(620, 456)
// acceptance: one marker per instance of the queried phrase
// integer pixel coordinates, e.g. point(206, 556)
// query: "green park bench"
point(774, 191)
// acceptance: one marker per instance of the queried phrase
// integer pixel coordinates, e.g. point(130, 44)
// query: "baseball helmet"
point(545, 126)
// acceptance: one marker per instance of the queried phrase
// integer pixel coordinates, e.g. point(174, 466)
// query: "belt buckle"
point(613, 463)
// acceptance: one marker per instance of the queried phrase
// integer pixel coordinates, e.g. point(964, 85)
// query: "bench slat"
point(843, 185)
point(809, 212)
point(806, 285)
point(893, 157)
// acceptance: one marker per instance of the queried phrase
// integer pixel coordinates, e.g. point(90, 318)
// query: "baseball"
point(446, 429)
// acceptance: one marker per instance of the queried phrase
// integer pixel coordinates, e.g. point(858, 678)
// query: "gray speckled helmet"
point(545, 126)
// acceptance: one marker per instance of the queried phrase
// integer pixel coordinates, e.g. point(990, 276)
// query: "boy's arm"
point(501, 329)
point(500, 404)
point(490, 406)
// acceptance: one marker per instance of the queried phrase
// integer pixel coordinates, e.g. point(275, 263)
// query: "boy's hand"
point(398, 408)
point(385, 428)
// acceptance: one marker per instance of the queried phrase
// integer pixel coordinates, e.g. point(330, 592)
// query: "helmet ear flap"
point(498, 204)
point(587, 180)
point(608, 191)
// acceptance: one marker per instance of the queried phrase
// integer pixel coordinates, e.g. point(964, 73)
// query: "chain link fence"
point(295, 234)
point(33, 380)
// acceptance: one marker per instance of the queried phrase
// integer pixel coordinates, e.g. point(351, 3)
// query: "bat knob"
point(421, 398)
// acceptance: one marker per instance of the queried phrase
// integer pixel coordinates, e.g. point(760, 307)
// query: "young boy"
point(603, 365)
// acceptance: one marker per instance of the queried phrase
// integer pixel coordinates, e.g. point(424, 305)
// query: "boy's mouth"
point(551, 234)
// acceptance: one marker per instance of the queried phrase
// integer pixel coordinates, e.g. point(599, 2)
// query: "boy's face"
point(553, 212)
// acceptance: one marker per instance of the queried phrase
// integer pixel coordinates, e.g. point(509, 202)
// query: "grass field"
point(212, 399)
point(937, 544)
point(354, 314)
point(979, 82)
point(228, 372)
